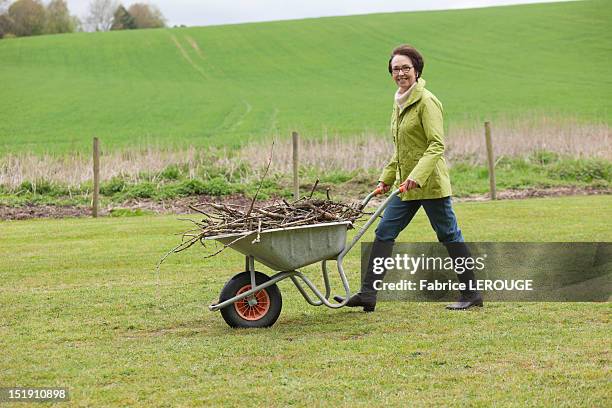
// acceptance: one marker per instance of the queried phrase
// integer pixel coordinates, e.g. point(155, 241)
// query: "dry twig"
point(238, 220)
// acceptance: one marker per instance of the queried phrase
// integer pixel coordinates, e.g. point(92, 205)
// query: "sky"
point(215, 12)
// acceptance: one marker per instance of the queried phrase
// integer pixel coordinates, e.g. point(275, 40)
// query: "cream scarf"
point(402, 98)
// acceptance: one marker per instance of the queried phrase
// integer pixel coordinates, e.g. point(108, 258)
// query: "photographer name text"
point(480, 285)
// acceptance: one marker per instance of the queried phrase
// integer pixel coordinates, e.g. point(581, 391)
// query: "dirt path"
point(181, 205)
point(535, 192)
point(187, 57)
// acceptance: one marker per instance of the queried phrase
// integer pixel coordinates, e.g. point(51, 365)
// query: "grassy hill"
point(227, 84)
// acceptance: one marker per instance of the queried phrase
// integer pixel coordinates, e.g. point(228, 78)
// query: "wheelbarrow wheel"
point(262, 313)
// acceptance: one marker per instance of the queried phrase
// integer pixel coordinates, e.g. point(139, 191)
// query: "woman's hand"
point(383, 187)
point(408, 185)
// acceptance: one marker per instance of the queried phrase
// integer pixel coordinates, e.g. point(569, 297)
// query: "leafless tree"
point(100, 17)
point(147, 15)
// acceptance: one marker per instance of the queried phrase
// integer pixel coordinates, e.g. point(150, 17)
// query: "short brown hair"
point(412, 53)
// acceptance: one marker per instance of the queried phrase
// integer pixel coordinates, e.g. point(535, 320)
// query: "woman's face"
point(403, 72)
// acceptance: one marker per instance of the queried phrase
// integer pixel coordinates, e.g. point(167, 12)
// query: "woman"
point(419, 166)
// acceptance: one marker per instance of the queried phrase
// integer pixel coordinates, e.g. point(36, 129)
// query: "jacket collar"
point(415, 95)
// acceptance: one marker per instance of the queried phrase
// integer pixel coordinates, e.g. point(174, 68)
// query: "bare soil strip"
point(195, 46)
point(181, 206)
point(188, 58)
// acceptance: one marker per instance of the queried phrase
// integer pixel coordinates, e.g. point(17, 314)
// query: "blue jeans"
point(398, 215)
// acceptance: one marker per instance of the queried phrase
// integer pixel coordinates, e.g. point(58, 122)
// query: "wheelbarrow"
point(252, 299)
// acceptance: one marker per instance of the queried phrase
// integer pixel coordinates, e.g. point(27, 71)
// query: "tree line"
point(23, 18)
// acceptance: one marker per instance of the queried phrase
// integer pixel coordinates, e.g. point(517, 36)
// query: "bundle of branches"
point(236, 219)
point(247, 221)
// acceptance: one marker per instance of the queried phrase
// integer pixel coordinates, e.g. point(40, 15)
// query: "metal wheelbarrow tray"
point(252, 299)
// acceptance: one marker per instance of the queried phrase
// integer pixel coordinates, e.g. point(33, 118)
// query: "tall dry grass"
point(512, 138)
point(520, 138)
point(76, 169)
point(328, 153)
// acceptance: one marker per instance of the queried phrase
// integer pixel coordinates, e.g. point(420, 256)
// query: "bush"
point(188, 187)
point(268, 188)
point(544, 157)
point(218, 186)
point(33, 187)
point(114, 185)
point(172, 172)
point(43, 187)
point(581, 170)
point(141, 190)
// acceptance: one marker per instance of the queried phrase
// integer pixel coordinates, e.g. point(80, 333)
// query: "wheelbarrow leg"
point(325, 281)
point(323, 300)
point(250, 267)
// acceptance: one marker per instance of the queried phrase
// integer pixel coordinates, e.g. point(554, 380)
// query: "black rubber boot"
point(367, 300)
point(466, 301)
point(366, 297)
point(468, 297)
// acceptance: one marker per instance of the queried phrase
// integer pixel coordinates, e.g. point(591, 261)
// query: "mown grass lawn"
point(82, 308)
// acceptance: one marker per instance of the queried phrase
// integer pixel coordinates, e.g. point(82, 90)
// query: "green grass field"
point(228, 84)
point(82, 308)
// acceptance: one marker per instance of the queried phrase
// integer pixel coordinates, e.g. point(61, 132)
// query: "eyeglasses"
point(404, 68)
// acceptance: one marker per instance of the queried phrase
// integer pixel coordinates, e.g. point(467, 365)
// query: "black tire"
point(237, 314)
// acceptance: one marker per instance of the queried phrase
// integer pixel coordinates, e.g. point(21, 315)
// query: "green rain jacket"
point(418, 136)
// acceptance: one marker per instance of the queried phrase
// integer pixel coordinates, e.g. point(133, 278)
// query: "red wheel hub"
point(256, 311)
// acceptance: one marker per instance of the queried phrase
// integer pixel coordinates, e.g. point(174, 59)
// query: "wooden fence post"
point(96, 177)
point(491, 160)
point(296, 184)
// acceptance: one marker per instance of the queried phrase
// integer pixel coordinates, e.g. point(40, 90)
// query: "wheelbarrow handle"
point(378, 191)
point(373, 218)
point(374, 193)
